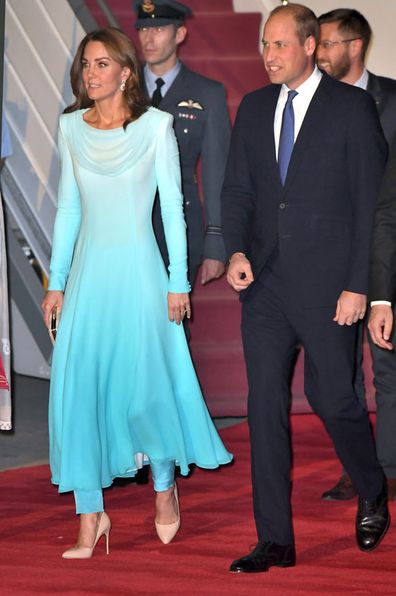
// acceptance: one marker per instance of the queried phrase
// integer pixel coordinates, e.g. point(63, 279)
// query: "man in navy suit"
point(306, 159)
point(345, 37)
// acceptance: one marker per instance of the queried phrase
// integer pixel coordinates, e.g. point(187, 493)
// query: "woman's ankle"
point(89, 518)
point(165, 494)
point(166, 507)
point(88, 527)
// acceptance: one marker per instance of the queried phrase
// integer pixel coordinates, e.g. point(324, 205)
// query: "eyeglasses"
point(327, 44)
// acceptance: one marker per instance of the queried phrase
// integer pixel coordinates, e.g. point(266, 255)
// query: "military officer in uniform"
point(202, 128)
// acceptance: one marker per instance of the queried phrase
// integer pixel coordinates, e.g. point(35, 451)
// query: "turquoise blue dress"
point(123, 386)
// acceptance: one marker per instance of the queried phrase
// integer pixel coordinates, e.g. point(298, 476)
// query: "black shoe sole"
point(291, 564)
point(245, 571)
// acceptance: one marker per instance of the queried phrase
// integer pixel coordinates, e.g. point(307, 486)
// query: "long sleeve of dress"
point(167, 167)
point(67, 221)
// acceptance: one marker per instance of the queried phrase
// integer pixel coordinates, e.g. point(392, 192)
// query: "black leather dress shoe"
point(372, 521)
point(342, 491)
point(264, 556)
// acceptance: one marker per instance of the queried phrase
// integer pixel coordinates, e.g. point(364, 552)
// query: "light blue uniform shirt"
point(168, 78)
point(362, 81)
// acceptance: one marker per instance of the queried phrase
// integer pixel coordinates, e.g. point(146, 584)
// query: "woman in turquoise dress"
point(124, 392)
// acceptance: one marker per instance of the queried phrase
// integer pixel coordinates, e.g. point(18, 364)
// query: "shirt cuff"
point(378, 302)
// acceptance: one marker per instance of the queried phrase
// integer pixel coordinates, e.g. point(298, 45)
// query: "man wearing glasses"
point(344, 38)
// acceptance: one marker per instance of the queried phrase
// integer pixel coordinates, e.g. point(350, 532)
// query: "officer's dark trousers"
point(273, 325)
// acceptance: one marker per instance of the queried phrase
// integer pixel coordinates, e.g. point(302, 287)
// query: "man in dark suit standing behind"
point(345, 36)
point(382, 281)
point(202, 128)
point(306, 159)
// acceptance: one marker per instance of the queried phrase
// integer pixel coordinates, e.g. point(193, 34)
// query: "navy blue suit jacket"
point(383, 91)
point(321, 220)
point(383, 254)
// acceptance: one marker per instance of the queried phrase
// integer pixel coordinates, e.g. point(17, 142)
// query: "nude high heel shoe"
point(167, 532)
point(86, 552)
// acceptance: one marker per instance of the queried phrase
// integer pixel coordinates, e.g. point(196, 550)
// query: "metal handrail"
point(87, 20)
point(108, 13)
point(83, 14)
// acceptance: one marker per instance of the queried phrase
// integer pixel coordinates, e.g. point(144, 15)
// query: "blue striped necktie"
point(286, 139)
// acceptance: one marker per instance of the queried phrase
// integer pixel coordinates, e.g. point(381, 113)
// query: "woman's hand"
point(53, 299)
point(178, 307)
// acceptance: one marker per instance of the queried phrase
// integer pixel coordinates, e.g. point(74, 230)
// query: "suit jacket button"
point(282, 206)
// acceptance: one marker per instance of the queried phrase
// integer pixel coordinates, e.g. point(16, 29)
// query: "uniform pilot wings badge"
point(190, 104)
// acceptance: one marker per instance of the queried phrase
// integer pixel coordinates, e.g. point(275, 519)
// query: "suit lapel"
point(265, 129)
point(374, 89)
point(308, 131)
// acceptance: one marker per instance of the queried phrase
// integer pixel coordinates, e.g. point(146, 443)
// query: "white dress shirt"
point(300, 104)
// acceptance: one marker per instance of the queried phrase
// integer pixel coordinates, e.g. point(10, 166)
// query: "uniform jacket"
point(321, 220)
point(202, 128)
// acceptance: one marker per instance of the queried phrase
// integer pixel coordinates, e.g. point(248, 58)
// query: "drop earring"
point(123, 85)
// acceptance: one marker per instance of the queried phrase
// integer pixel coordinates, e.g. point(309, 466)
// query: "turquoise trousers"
point(91, 501)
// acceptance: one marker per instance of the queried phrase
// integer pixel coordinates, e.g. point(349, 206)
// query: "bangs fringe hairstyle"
point(121, 50)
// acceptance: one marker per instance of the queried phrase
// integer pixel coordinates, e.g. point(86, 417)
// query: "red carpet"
point(217, 526)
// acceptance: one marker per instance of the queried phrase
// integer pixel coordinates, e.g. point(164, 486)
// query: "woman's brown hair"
point(122, 51)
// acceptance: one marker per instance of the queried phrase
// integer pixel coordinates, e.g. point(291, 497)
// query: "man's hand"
point(211, 269)
point(239, 274)
point(350, 308)
point(380, 325)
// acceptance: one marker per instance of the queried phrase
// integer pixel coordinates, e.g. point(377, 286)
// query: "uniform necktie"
point(157, 95)
point(286, 139)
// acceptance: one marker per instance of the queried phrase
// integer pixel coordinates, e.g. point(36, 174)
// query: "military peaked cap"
point(157, 13)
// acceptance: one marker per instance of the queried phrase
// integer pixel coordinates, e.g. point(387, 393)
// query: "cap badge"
point(148, 6)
